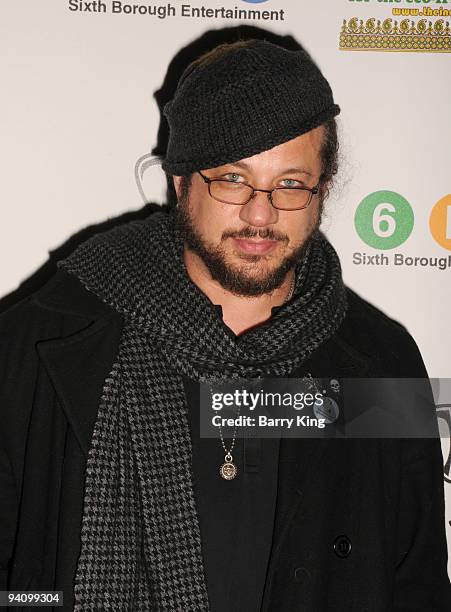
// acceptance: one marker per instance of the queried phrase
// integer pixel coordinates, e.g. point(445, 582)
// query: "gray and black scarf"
point(140, 537)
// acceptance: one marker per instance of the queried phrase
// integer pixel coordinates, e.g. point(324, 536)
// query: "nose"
point(259, 211)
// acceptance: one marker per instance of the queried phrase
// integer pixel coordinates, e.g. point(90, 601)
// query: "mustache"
point(249, 232)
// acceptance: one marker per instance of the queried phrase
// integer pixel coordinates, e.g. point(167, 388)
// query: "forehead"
point(302, 152)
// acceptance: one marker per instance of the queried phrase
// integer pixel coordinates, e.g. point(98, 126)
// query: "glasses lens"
point(228, 191)
point(291, 198)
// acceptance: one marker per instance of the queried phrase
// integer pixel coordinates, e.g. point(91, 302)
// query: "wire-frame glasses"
point(283, 198)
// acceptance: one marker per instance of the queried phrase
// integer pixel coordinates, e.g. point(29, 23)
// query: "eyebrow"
point(240, 164)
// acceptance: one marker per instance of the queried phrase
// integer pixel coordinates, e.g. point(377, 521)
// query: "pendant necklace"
point(228, 469)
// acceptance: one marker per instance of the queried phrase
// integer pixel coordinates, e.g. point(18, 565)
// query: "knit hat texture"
point(250, 100)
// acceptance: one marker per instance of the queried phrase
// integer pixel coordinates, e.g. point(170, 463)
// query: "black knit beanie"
point(250, 100)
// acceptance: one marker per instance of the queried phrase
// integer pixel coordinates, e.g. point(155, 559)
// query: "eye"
point(291, 183)
point(233, 177)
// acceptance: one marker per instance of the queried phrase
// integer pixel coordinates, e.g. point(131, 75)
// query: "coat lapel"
point(78, 362)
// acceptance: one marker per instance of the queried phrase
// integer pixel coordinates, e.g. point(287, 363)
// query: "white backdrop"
point(77, 111)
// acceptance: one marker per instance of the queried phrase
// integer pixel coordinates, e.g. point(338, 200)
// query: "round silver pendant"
point(326, 409)
point(228, 470)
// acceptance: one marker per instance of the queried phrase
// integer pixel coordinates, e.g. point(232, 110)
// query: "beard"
point(240, 280)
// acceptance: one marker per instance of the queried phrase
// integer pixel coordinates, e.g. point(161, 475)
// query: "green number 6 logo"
point(384, 219)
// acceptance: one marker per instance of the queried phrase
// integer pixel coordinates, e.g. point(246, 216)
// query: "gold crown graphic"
point(389, 35)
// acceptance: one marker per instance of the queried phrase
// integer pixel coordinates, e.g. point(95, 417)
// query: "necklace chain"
point(228, 470)
point(291, 291)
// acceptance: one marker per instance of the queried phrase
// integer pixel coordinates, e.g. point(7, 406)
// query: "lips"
point(258, 247)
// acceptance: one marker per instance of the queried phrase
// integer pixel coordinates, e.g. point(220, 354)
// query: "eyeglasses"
point(283, 198)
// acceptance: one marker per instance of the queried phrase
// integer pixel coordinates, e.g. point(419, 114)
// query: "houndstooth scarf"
point(140, 537)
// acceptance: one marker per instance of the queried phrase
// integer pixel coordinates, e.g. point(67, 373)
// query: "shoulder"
point(60, 307)
point(385, 343)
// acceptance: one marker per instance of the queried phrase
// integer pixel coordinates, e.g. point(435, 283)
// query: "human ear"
point(177, 185)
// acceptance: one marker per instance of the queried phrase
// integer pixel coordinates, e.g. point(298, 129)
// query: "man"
point(109, 492)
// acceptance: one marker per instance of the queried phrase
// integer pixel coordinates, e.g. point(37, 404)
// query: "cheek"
point(300, 225)
point(199, 208)
point(213, 218)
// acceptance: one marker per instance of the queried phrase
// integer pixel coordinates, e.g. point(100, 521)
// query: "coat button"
point(342, 546)
point(302, 575)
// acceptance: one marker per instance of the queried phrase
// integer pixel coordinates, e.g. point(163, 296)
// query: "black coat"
point(359, 523)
